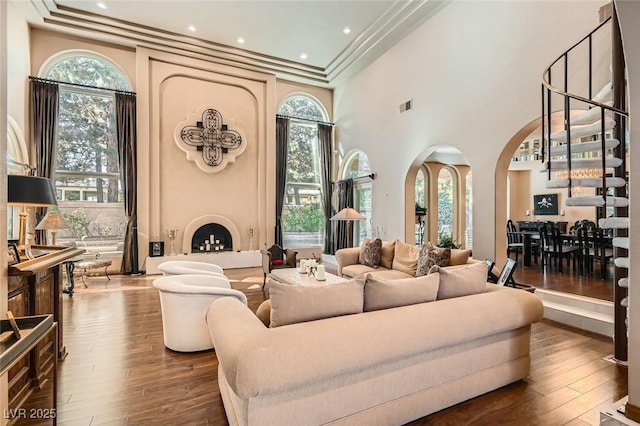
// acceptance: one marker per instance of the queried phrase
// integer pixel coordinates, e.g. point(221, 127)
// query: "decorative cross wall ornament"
point(209, 143)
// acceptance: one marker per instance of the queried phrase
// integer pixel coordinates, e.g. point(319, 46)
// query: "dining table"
point(529, 236)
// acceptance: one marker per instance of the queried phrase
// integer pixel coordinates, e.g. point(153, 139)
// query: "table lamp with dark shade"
point(29, 191)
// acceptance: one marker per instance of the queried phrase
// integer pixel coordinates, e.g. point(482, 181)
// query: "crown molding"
point(397, 21)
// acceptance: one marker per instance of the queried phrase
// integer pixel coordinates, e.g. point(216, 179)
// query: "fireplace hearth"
point(211, 238)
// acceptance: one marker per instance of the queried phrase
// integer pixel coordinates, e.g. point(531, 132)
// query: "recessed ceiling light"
point(101, 5)
point(240, 40)
point(346, 30)
point(192, 28)
point(303, 56)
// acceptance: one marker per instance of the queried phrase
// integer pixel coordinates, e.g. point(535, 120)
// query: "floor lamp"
point(348, 215)
point(28, 191)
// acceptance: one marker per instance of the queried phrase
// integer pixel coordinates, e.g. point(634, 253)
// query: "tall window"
point(302, 216)
point(357, 166)
point(87, 171)
point(469, 212)
point(446, 204)
point(421, 206)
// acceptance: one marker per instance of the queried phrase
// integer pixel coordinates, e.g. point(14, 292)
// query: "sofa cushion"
point(386, 258)
point(459, 256)
point(351, 271)
point(292, 304)
point(389, 274)
point(405, 258)
point(370, 252)
point(380, 293)
point(431, 255)
point(461, 280)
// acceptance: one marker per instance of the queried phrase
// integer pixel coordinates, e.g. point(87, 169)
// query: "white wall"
point(473, 71)
point(629, 16)
point(17, 65)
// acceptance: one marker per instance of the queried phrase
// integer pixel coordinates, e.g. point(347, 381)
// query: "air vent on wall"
point(406, 106)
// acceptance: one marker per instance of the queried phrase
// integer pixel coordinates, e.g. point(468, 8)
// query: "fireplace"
point(211, 238)
point(201, 228)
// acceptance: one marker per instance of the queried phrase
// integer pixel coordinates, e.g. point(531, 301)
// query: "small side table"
point(85, 265)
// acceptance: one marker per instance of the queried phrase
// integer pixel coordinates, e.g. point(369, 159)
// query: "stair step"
point(621, 242)
point(614, 223)
point(621, 262)
point(584, 130)
point(595, 163)
point(586, 182)
point(584, 147)
point(590, 116)
point(597, 201)
point(605, 94)
point(578, 311)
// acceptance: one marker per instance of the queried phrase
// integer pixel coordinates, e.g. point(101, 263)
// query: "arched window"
point(303, 216)
point(87, 173)
point(357, 167)
point(446, 203)
point(421, 205)
point(469, 211)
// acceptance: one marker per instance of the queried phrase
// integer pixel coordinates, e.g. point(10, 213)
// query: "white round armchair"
point(182, 267)
point(184, 300)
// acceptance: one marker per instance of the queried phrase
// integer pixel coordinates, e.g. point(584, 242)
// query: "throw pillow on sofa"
point(291, 304)
point(405, 258)
point(431, 255)
point(386, 257)
point(462, 280)
point(370, 252)
point(383, 294)
point(459, 256)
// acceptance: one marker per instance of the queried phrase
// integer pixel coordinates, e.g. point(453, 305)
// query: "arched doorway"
point(447, 198)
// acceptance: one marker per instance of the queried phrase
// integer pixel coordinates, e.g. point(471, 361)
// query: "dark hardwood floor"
point(118, 371)
point(589, 285)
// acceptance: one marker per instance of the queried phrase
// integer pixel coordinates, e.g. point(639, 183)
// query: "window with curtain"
point(87, 172)
point(357, 166)
point(302, 215)
point(446, 203)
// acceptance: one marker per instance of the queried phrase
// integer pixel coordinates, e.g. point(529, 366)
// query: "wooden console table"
point(35, 288)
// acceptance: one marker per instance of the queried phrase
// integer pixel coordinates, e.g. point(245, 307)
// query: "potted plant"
point(447, 241)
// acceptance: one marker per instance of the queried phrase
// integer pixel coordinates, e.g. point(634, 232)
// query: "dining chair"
point(602, 253)
point(553, 248)
point(514, 240)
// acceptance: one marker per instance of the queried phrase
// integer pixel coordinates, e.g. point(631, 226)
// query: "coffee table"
point(293, 277)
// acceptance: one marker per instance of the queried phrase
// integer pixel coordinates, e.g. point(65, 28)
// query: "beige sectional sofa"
point(382, 367)
point(398, 260)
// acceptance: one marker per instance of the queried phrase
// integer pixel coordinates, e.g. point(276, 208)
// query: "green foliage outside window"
point(309, 218)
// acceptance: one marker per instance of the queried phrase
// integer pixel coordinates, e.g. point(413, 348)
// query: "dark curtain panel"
point(44, 125)
point(282, 146)
point(326, 163)
point(127, 155)
point(342, 236)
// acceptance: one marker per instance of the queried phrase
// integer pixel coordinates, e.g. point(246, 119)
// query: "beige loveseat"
point(382, 367)
point(397, 260)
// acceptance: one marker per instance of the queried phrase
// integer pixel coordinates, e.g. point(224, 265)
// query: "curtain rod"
point(372, 176)
point(289, 117)
point(86, 86)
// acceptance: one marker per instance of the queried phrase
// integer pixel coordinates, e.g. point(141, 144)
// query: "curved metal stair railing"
point(574, 164)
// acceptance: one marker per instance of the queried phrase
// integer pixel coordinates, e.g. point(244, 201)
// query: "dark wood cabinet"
point(535, 226)
point(35, 288)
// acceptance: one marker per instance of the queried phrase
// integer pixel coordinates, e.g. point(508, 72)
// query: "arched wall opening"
point(501, 178)
point(431, 162)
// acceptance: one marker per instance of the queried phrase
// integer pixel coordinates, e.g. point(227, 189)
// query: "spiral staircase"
point(588, 157)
